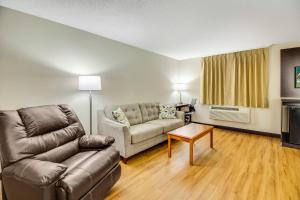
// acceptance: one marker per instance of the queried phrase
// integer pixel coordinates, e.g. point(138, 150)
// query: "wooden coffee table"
point(190, 133)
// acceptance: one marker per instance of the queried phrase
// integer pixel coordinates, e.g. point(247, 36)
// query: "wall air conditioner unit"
point(230, 113)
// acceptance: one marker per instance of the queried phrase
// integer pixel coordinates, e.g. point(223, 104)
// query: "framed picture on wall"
point(297, 77)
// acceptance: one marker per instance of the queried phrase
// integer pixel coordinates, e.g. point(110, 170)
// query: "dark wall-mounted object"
point(290, 126)
point(297, 76)
point(290, 58)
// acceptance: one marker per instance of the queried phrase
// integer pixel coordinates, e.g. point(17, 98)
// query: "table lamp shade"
point(179, 86)
point(89, 83)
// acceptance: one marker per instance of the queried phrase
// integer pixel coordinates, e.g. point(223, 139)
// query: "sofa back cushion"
point(132, 112)
point(46, 132)
point(150, 111)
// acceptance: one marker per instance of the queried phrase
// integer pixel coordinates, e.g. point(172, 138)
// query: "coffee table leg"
point(191, 152)
point(212, 138)
point(169, 146)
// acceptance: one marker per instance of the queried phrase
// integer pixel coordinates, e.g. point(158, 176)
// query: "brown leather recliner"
point(45, 155)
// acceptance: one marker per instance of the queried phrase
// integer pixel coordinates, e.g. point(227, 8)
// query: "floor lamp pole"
point(180, 102)
point(91, 119)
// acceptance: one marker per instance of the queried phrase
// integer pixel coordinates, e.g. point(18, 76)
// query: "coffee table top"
point(191, 130)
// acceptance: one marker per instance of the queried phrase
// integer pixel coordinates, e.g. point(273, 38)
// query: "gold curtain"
point(214, 70)
point(239, 79)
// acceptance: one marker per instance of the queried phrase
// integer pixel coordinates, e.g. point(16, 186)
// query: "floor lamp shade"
point(90, 83)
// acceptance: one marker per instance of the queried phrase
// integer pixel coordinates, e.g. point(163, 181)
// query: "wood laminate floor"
point(241, 167)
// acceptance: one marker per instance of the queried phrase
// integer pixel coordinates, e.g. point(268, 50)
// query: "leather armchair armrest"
point(34, 172)
point(95, 141)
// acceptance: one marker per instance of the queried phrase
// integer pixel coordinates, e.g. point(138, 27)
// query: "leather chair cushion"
point(78, 181)
point(43, 119)
point(34, 172)
point(23, 135)
point(150, 111)
point(77, 159)
point(60, 153)
point(142, 132)
point(168, 124)
point(95, 141)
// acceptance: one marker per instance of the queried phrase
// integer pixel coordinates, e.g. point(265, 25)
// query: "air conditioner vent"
point(224, 108)
point(234, 114)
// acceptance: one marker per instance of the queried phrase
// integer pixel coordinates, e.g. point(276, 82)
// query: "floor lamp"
point(90, 83)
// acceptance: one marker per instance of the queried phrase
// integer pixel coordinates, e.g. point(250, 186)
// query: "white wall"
point(41, 60)
point(267, 120)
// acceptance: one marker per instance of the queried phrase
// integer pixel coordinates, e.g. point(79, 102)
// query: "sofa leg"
point(124, 160)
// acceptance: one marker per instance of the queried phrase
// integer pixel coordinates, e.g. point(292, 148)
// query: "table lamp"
point(180, 87)
point(90, 83)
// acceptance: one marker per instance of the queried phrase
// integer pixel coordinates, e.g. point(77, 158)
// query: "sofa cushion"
point(167, 112)
point(168, 124)
point(79, 180)
point(141, 132)
point(132, 112)
point(150, 111)
point(120, 117)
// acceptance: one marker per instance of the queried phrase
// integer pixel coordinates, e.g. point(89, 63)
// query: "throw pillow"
point(120, 116)
point(167, 112)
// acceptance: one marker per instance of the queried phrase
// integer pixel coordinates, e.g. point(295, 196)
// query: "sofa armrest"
point(34, 172)
point(95, 141)
point(118, 131)
point(180, 115)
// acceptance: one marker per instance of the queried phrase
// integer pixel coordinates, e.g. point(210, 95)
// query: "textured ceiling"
point(176, 28)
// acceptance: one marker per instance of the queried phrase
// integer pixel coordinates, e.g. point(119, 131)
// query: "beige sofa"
point(146, 129)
